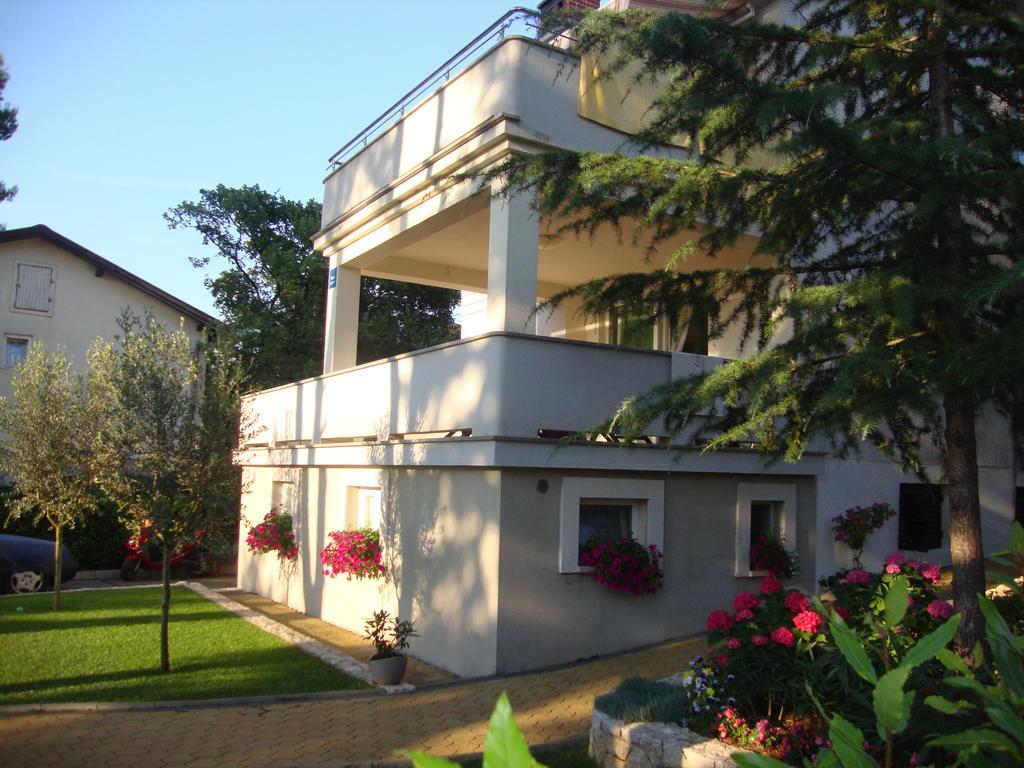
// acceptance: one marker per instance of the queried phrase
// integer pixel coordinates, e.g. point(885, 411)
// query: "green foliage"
point(273, 291)
point(638, 700)
point(388, 635)
point(103, 646)
point(8, 125)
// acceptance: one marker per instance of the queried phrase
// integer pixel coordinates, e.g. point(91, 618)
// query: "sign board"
point(332, 278)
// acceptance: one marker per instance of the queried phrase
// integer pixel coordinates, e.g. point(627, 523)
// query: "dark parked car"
point(26, 565)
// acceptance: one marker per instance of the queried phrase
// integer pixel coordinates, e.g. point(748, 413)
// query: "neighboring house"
point(62, 294)
point(454, 452)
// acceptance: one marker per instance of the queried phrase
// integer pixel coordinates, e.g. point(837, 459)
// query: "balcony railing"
point(517, 21)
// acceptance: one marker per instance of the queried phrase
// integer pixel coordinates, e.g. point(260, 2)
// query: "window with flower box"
point(608, 508)
point(763, 510)
point(362, 509)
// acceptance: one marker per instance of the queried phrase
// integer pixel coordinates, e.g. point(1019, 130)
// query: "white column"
point(342, 323)
point(512, 250)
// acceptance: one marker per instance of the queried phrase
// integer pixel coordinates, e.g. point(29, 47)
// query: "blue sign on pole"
point(332, 279)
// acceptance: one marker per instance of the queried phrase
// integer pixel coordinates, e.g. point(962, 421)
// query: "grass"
point(104, 645)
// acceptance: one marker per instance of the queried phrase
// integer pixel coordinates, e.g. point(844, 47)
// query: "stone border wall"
point(615, 744)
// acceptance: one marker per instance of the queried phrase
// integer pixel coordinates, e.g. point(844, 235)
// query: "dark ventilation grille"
point(1018, 505)
point(920, 516)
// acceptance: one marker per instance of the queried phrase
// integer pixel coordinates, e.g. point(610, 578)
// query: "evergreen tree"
point(8, 125)
point(888, 190)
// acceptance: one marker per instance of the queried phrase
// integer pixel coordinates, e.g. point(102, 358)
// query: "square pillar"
point(512, 249)
point(342, 323)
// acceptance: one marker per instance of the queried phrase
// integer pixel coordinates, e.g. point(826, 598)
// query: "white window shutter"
point(34, 289)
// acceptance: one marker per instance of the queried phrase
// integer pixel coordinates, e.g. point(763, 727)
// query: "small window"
point(762, 510)
point(363, 508)
point(607, 519)
point(15, 350)
point(281, 495)
point(920, 519)
point(605, 508)
point(33, 290)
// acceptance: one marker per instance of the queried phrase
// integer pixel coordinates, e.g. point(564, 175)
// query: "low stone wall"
point(615, 744)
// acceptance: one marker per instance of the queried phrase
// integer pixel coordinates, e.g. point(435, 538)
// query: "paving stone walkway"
point(343, 729)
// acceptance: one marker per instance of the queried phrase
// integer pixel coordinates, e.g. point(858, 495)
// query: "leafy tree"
point(888, 190)
point(47, 432)
point(149, 455)
point(8, 125)
point(273, 291)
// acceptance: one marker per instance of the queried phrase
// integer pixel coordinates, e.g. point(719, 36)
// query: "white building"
point(453, 451)
point(62, 294)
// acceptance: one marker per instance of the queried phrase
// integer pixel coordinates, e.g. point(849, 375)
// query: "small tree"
point(46, 436)
point(147, 389)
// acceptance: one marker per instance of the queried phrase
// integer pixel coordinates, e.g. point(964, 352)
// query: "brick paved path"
point(349, 728)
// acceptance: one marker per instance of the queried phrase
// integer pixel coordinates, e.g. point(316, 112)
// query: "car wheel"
point(22, 582)
point(130, 568)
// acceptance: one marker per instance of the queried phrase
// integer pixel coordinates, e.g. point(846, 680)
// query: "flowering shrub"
point(273, 534)
point(355, 553)
point(769, 554)
point(707, 690)
point(857, 523)
point(624, 565)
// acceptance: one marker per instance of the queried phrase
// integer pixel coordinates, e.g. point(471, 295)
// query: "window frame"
point(746, 495)
point(354, 495)
point(50, 295)
point(647, 497)
point(8, 338)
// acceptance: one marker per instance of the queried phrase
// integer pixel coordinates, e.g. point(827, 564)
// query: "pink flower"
point(721, 660)
point(770, 585)
point(893, 568)
point(744, 615)
point(719, 621)
point(795, 602)
point(857, 576)
point(745, 601)
point(759, 640)
point(894, 558)
point(940, 609)
point(932, 572)
point(782, 636)
point(734, 643)
point(914, 563)
point(808, 621)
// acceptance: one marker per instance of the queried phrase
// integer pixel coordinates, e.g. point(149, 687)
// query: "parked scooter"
point(190, 556)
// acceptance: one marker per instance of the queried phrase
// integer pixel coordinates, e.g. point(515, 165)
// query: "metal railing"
point(518, 18)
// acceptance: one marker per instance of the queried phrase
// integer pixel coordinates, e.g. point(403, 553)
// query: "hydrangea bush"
point(355, 553)
point(624, 565)
point(273, 534)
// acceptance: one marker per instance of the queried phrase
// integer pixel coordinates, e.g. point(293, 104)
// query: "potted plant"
point(389, 636)
point(274, 533)
point(853, 527)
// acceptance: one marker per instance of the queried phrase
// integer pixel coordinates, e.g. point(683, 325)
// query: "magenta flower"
point(734, 643)
point(808, 621)
point(770, 585)
point(894, 558)
point(795, 602)
point(719, 621)
point(782, 636)
point(745, 601)
point(932, 572)
point(758, 640)
point(857, 576)
point(744, 615)
point(893, 568)
point(940, 609)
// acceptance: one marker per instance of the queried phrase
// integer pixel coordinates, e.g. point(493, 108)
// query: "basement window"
point(608, 508)
point(15, 350)
point(920, 517)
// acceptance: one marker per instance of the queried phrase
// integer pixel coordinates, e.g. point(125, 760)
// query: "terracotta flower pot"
point(388, 671)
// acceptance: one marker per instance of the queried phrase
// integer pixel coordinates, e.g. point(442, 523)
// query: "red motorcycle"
point(141, 556)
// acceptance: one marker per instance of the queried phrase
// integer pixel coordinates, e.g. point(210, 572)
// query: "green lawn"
point(104, 645)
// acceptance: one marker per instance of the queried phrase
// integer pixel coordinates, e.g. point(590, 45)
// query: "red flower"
point(932, 572)
point(770, 585)
point(842, 612)
point(745, 601)
point(940, 609)
point(795, 602)
point(734, 643)
point(719, 621)
point(782, 636)
point(744, 615)
point(759, 640)
point(808, 621)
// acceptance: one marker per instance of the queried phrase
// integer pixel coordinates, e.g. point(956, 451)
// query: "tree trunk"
point(165, 611)
point(58, 564)
point(964, 517)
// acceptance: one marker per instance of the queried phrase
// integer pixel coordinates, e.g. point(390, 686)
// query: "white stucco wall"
point(84, 306)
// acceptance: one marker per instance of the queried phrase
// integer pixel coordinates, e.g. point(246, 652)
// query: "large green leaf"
point(947, 707)
point(976, 737)
point(1007, 656)
point(929, 646)
point(891, 707)
point(754, 760)
point(852, 649)
point(505, 746)
point(896, 601)
point(423, 760)
point(1007, 722)
point(826, 758)
point(952, 661)
point(848, 744)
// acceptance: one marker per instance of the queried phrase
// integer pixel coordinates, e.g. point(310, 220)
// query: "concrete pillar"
point(512, 250)
point(342, 323)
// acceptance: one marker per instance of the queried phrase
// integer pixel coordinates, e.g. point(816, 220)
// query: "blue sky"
point(128, 107)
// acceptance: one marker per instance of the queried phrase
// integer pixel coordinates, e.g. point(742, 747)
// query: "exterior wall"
point(545, 617)
point(84, 306)
point(440, 531)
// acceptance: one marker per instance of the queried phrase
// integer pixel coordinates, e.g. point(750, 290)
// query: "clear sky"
point(128, 107)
